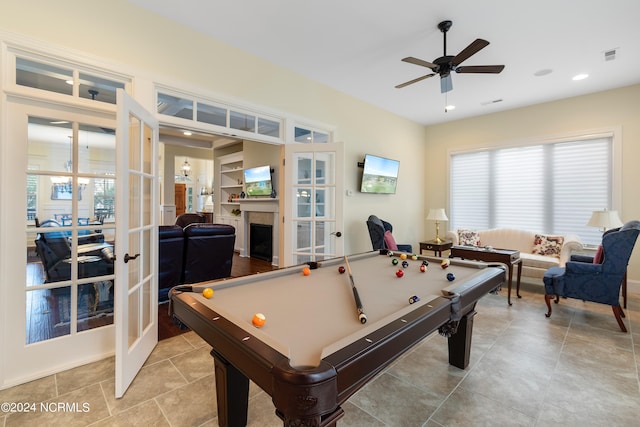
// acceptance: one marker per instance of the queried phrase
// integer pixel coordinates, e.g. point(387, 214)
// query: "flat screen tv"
point(380, 175)
point(257, 181)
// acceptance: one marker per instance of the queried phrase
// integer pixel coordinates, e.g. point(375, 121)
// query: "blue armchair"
point(596, 282)
point(377, 228)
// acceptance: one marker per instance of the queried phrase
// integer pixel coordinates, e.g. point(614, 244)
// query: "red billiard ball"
point(423, 268)
point(399, 273)
point(341, 269)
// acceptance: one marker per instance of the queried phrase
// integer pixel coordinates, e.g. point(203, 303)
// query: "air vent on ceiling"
point(610, 55)
point(494, 101)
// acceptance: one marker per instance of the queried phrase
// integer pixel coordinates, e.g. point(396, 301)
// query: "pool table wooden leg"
point(460, 342)
point(232, 389)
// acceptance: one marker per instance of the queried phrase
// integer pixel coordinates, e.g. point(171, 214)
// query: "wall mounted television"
point(380, 175)
point(257, 181)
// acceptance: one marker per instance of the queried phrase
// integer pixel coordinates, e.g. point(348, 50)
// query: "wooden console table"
point(509, 257)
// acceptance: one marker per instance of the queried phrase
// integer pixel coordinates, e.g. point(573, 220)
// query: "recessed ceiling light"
point(449, 108)
point(187, 133)
point(580, 77)
point(543, 72)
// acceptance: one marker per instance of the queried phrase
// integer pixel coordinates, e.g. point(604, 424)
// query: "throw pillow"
point(599, 256)
point(468, 238)
point(389, 241)
point(547, 245)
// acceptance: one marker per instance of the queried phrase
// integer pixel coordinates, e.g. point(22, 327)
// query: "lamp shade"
point(437, 214)
point(605, 219)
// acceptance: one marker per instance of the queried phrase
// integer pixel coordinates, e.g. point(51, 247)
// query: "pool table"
point(313, 352)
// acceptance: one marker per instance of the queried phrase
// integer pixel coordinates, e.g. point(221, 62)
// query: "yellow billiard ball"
point(258, 320)
point(403, 256)
point(207, 293)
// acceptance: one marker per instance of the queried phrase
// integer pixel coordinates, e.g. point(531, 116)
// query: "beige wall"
point(619, 107)
point(125, 34)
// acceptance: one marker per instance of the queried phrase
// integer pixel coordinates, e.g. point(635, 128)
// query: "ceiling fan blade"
point(416, 61)
point(472, 49)
point(488, 69)
point(410, 82)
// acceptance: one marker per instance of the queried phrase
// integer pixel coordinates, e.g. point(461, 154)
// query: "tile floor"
point(574, 369)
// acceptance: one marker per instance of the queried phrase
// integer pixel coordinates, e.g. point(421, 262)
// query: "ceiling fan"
point(447, 63)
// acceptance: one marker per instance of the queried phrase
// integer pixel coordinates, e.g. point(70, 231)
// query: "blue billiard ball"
point(394, 261)
point(405, 264)
point(451, 277)
point(413, 299)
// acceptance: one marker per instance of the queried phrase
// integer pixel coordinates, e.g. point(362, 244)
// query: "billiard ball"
point(258, 320)
point(207, 293)
point(403, 256)
point(423, 268)
point(445, 263)
point(414, 257)
point(341, 269)
point(306, 271)
point(405, 264)
point(451, 277)
point(390, 253)
point(399, 273)
point(413, 299)
point(394, 261)
point(425, 262)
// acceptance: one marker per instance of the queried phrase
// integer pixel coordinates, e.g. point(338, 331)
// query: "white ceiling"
point(355, 46)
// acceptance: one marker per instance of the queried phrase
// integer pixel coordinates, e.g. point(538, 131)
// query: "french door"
point(58, 234)
point(314, 202)
point(137, 254)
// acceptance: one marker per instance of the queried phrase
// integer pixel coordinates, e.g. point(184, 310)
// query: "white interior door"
point(137, 252)
point(313, 206)
point(56, 292)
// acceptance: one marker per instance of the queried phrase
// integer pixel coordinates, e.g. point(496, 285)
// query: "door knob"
point(337, 234)
point(127, 258)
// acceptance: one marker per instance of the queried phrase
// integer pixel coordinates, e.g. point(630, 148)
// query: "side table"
point(509, 257)
point(436, 247)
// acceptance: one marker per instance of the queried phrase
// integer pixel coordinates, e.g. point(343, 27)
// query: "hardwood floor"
point(44, 315)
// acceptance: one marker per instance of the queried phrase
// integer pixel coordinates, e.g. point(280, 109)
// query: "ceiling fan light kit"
point(444, 65)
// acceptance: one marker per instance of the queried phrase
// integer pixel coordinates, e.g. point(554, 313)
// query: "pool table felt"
point(310, 317)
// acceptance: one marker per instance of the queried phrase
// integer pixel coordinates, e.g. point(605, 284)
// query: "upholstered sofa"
point(195, 253)
point(538, 251)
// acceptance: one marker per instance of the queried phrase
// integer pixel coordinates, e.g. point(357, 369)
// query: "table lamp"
point(605, 219)
point(437, 215)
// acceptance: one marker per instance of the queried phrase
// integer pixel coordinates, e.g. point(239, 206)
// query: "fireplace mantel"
point(271, 205)
point(259, 205)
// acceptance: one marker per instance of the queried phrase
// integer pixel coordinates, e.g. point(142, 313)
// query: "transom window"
point(545, 187)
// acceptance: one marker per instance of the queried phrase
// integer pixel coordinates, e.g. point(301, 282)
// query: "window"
point(548, 188)
point(65, 80)
point(308, 136)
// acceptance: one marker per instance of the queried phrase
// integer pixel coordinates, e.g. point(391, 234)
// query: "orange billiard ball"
point(207, 293)
point(403, 256)
point(258, 320)
point(306, 271)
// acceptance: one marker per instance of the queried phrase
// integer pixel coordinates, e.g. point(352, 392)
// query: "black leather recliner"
point(377, 228)
point(208, 253)
point(190, 218)
point(197, 253)
point(170, 258)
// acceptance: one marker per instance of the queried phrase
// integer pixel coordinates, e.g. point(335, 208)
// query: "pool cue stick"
point(361, 316)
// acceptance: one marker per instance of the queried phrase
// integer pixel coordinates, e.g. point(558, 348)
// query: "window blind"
point(548, 188)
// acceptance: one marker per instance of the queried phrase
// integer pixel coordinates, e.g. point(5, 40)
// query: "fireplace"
point(261, 241)
point(260, 211)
